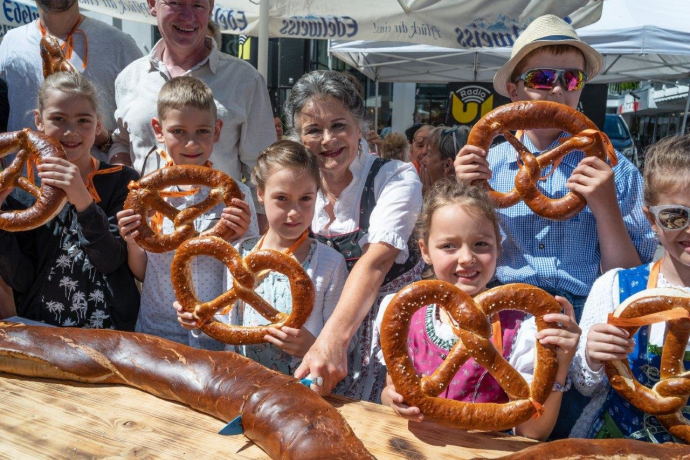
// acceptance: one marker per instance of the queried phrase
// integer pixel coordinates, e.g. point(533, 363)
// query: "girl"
point(459, 238)
point(287, 180)
point(73, 270)
point(667, 205)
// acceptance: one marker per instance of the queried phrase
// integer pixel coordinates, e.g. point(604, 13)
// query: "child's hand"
point(62, 174)
point(471, 164)
point(4, 194)
point(593, 179)
point(606, 342)
point(392, 398)
point(295, 342)
point(127, 223)
point(237, 217)
point(185, 318)
point(564, 340)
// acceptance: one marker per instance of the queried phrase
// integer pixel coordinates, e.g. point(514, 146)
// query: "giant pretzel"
point(53, 59)
point(540, 115)
point(473, 329)
point(145, 195)
point(669, 395)
point(244, 272)
point(29, 146)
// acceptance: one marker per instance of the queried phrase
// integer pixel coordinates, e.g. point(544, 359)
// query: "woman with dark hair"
point(366, 209)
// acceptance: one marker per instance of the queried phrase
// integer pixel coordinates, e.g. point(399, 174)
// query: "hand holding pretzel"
point(31, 148)
point(472, 163)
point(244, 272)
point(146, 194)
point(473, 328)
point(669, 395)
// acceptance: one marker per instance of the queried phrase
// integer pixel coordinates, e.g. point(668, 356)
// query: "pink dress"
point(472, 383)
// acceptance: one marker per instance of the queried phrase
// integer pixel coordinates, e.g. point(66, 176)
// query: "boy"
point(188, 125)
point(549, 62)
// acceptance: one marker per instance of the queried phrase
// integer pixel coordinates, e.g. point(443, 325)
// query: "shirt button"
point(328, 242)
point(541, 246)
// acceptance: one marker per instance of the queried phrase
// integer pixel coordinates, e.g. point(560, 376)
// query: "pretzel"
point(30, 147)
point(540, 115)
point(669, 395)
point(473, 328)
point(53, 59)
point(283, 417)
point(600, 449)
point(244, 272)
point(146, 194)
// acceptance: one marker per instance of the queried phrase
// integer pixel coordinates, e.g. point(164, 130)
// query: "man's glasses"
point(673, 217)
point(573, 79)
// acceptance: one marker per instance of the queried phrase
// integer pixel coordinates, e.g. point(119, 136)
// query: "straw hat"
point(544, 31)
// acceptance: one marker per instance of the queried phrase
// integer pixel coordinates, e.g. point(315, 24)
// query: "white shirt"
point(398, 194)
point(156, 314)
point(241, 98)
point(109, 51)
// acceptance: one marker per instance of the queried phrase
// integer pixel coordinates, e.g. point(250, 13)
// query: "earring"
point(360, 151)
point(656, 234)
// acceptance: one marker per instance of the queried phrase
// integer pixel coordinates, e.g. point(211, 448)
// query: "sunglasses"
point(673, 217)
point(573, 79)
point(450, 132)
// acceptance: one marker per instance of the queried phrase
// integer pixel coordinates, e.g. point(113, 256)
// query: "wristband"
point(557, 386)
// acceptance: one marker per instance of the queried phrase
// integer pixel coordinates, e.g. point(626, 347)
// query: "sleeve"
point(522, 357)
point(120, 136)
point(97, 229)
point(253, 229)
point(377, 326)
point(397, 208)
point(630, 199)
point(602, 300)
point(258, 131)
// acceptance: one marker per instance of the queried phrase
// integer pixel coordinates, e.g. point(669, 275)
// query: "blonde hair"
point(667, 168)
point(556, 50)
point(182, 92)
point(70, 83)
point(448, 191)
point(395, 147)
point(285, 154)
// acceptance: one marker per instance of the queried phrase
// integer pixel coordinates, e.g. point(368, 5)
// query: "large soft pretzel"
point(473, 329)
point(601, 449)
point(670, 394)
point(244, 272)
point(29, 146)
point(146, 194)
point(540, 115)
point(53, 59)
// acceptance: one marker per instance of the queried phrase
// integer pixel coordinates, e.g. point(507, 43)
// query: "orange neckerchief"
point(68, 45)
point(97, 172)
point(157, 218)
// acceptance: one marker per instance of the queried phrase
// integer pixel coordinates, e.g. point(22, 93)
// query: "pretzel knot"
point(145, 195)
point(53, 59)
point(31, 148)
point(669, 396)
point(244, 271)
point(473, 329)
point(540, 115)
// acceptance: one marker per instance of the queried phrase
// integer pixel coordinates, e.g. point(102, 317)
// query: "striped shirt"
point(561, 255)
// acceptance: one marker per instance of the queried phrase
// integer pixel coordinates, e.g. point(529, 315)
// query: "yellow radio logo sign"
point(471, 103)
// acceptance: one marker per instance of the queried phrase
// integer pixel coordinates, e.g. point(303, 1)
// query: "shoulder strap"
point(368, 200)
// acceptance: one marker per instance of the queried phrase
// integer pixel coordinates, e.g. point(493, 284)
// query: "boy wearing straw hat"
point(549, 62)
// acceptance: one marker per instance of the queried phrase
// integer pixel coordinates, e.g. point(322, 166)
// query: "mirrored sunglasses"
point(572, 79)
point(673, 217)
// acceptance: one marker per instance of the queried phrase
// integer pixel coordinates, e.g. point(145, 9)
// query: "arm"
point(120, 150)
point(17, 251)
point(128, 223)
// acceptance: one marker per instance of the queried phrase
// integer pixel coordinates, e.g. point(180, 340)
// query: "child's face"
point(188, 134)
point(462, 248)
point(71, 120)
point(289, 199)
point(676, 243)
point(548, 60)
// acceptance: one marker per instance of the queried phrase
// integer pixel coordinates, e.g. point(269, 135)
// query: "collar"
point(212, 59)
point(572, 159)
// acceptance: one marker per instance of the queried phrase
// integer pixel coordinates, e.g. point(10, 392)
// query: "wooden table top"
point(48, 418)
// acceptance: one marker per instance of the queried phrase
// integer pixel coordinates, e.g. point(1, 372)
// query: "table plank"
point(59, 419)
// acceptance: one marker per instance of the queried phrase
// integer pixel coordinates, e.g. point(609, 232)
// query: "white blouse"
point(398, 194)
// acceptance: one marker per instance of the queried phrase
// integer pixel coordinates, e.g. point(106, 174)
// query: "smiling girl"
point(73, 271)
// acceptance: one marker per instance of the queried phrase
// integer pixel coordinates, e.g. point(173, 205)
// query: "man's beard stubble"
point(55, 6)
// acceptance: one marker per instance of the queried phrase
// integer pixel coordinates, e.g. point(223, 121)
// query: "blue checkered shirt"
point(561, 256)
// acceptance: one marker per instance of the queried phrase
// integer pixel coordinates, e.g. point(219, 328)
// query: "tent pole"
point(685, 115)
point(330, 56)
point(263, 39)
point(376, 104)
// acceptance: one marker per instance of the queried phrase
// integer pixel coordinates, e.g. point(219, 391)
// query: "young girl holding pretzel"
point(459, 238)
point(667, 207)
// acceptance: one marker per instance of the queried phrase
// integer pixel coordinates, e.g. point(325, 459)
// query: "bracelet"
point(557, 386)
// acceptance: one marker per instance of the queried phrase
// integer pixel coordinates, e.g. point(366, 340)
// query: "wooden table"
point(48, 418)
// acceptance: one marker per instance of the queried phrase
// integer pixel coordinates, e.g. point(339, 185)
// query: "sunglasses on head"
point(673, 217)
point(450, 132)
point(572, 79)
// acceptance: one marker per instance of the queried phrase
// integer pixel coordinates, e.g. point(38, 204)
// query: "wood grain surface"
point(54, 419)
